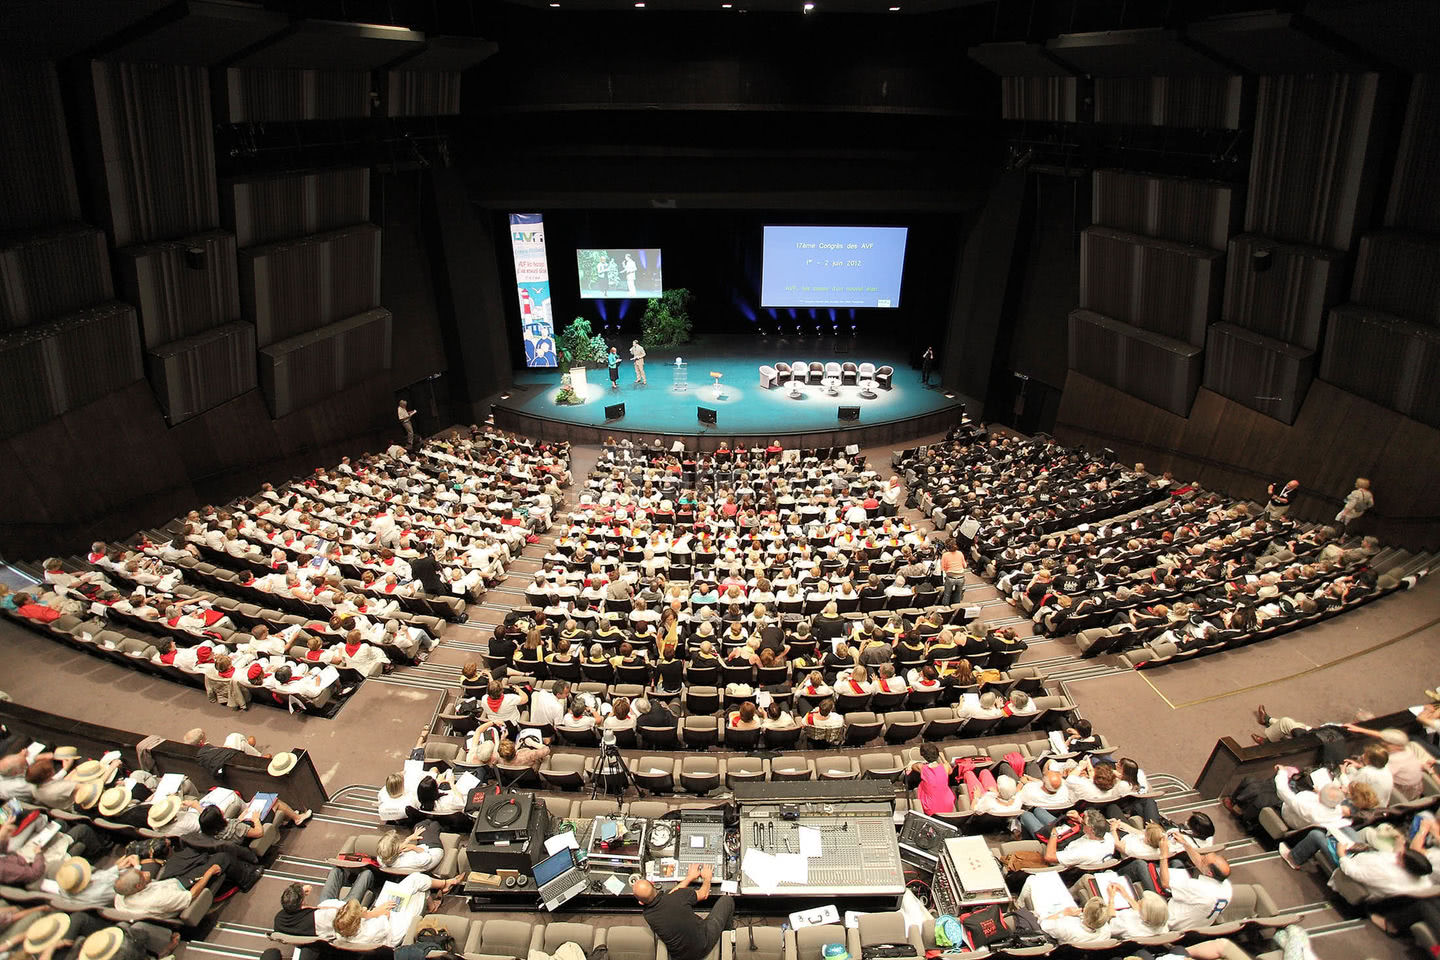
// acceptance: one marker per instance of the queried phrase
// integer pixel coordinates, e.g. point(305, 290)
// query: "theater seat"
point(744, 769)
point(498, 940)
point(792, 767)
point(884, 377)
point(849, 373)
point(875, 929)
point(817, 372)
point(548, 939)
point(630, 943)
point(759, 943)
point(836, 767)
point(701, 774)
point(809, 942)
point(769, 377)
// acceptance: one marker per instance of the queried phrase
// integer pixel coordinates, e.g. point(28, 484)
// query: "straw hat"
point(88, 794)
point(67, 753)
point(115, 799)
point(103, 944)
point(163, 812)
point(48, 930)
point(281, 764)
point(90, 770)
point(73, 875)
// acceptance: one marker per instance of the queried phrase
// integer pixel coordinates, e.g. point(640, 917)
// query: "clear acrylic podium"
point(681, 369)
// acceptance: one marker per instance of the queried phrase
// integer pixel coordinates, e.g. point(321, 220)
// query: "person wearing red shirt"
point(27, 607)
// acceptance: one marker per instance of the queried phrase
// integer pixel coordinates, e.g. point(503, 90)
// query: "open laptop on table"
point(559, 879)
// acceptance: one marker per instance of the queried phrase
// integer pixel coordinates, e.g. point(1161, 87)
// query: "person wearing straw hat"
point(123, 803)
point(54, 935)
point(129, 941)
point(173, 816)
point(82, 885)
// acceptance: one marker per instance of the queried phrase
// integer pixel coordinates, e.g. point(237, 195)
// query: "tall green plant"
point(667, 319)
point(581, 348)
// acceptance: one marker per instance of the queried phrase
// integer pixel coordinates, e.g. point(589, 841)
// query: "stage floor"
point(747, 408)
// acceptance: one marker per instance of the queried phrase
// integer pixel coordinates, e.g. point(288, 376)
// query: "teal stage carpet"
point(747, 407)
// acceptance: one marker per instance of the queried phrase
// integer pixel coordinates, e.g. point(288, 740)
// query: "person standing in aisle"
point(404, 414)
point(637, 353)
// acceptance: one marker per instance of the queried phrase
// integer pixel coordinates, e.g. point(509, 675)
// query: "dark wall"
point(1056, 209)
point(407, 277)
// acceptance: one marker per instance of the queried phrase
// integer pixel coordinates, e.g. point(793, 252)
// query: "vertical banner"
point(532, 280)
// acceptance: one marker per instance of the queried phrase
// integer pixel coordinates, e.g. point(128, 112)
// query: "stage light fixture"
point(809, 7)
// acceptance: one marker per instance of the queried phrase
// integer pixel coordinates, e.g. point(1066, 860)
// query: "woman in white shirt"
point(1147, 917)
point(620, 717)
point(419, 852)
point(1089, 924)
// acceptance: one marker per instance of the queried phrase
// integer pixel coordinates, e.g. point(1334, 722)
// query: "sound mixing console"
point(857, 851)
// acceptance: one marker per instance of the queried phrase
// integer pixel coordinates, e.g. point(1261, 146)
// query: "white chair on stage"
point(817, 372)
point(867, 371)
point(832, 369)
point(769, 378)
point(782, 371)
point(849, 373)
point(799, 371)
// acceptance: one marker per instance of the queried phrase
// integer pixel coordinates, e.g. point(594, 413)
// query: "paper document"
point(729, 886)
point(810, 842)
point(393, 891)
point(560, 841)
point(1319, 778)
point(759, 866)
point(260, 806)
point(169, 783)
point(792, 868)
point(1103, 881)
point(613, 884)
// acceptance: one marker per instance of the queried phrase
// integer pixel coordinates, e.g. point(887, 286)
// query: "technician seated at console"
point(672, 915)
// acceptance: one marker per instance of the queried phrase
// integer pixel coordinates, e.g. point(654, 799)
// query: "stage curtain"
point(37, 179)
point(1383, 358)
point(1399, 273)
point(1288, 301)
point(174, 299)
point(1416, 182)
point(196, 373)
point(1204, 101)
point(1308, 171)
point(1168, 208)
point(47, 274)
point(302, 370)
point(1167, 288)
point(158, 148)
point(282, 208)
point(1038, 98)
point(255, 95)
point(291, 287)
point(49, 368)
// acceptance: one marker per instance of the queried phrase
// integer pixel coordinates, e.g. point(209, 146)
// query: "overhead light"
point(639, 4)
point(554, 5)
point(809, 7)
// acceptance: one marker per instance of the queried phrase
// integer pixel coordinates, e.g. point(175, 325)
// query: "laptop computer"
point(559, 879)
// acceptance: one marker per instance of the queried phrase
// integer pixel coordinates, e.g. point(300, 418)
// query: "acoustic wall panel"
point(1259, 372)
point(1399, 273)
point(1172, 289)
point(196, 373)
point(1038, 98)
point(49, 368)
point(1416, 182)
point(37, 181)
point(1383, 358)
point(297, 372)
point(257, 94)
point(422, 93)
point(158, 149)
point(176, 299)
point(280, 208)
point(47, 274)
point(1286, 300)
point(1308, 169)
point(296, 286)
point(1157, 369)
point(1211, 101)
point(1169, 208)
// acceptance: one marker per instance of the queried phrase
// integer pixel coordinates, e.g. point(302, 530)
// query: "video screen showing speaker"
point(614, 411)
point(619, 273)
point(832, 266)
point(706, 415)
point(849, 413)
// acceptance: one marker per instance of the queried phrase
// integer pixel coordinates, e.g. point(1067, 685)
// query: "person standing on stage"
point(637, 353)
point(613, 361)
point(926, 360)
point(630, 267)
point(404, 414)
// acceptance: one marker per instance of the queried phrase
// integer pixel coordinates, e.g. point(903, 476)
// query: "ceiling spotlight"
point(640, 4)
point(809, 7)
point(553, 5)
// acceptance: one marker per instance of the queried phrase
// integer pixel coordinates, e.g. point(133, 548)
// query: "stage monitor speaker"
point(614, 411)
point(849, 413)
point(706, 415)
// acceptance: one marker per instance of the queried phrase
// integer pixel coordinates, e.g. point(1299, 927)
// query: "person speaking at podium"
point(672, 918)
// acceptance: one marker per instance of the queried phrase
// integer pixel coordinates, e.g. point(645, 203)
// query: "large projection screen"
point(832, 266)
point(619, 273)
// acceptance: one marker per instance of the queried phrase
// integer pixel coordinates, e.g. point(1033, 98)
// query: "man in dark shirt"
point(297, 919)
point(672, 915)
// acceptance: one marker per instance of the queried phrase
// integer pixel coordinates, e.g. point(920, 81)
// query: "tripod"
point(612, 770)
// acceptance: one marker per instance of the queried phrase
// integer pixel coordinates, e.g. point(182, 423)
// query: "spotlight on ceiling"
point(809, 7)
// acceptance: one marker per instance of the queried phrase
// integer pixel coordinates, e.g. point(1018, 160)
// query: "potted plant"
point(567, 395)
point(667, 319)
point(581, 349)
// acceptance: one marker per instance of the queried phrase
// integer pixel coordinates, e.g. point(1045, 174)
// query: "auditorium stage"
point(748, 410)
